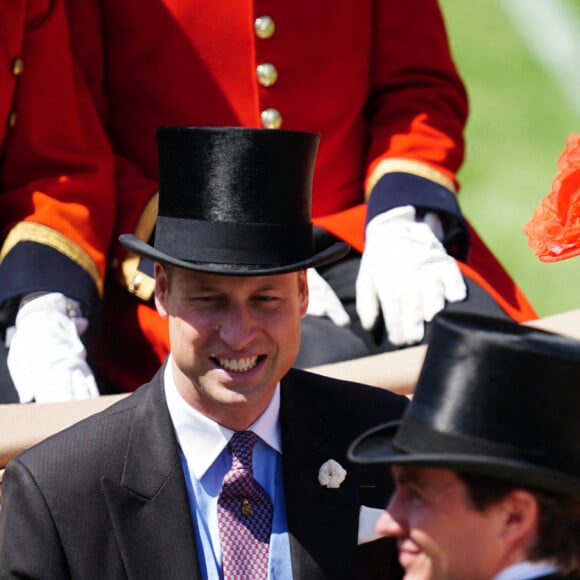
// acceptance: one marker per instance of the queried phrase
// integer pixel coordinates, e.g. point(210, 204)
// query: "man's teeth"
point(238, 365)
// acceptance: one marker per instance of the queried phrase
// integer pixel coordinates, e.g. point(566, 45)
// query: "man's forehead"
point(433, 477)
point(209, 280)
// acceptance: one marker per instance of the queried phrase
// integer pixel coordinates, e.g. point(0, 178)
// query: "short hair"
point(169, 270)
point(559, 518)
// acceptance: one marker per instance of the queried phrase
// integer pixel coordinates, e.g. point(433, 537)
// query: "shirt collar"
point(202, 439)
point(526, 571)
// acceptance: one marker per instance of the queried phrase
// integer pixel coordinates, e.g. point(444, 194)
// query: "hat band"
point(233, 243)
point(416, 438)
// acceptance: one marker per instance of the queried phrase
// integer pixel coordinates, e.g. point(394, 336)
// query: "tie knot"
point(242, 445)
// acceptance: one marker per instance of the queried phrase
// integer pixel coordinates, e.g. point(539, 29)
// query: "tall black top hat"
point(493, 397)
point(236, 201)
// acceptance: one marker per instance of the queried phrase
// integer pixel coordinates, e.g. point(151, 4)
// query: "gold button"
point(264, 27)
point(12, 119)
point(267, 74)
point(135, 283)
point(17, 66)
point(271, 119)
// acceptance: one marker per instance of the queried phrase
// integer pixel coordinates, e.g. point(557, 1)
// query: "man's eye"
point(415, 495)
point(268, 298)
point(204, 299)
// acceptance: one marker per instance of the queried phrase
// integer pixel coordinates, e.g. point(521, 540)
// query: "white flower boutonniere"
point(331, 474)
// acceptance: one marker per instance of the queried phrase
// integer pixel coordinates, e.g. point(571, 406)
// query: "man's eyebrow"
point(267, 287)
point(404, 478)
point(412, 478)
point(203, 287)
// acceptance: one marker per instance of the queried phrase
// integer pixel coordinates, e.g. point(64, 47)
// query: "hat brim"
point(376, 446)
point(324, 253)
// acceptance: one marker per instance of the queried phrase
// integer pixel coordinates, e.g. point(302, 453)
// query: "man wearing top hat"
point(228, 464)
point(486, 459)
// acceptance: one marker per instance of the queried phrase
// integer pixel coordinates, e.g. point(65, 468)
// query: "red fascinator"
point(554, 229)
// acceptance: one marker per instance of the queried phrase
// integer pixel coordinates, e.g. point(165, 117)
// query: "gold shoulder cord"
point(137, 282)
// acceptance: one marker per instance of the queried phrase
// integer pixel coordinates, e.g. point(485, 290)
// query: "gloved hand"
point(46, 358)
point(322, 300)
point(406, 272)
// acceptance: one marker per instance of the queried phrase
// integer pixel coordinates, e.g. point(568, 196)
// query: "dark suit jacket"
point(559, 576)
point(106, 499)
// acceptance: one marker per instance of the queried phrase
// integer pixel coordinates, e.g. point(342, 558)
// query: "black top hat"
point(493, 398)
point(236, 201)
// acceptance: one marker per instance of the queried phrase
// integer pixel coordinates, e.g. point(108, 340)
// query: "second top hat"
point(236, 201)
point(493, 398)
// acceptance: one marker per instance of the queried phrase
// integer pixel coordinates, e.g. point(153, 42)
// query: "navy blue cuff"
point(398, 189)
point(33, 267)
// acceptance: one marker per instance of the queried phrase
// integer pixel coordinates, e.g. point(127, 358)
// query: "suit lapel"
point(322, 522)
point(149, 507)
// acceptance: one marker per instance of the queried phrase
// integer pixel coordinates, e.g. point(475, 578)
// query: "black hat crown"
point(493, 397)
point(235, 201)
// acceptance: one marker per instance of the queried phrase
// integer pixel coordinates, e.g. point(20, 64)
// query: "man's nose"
point(391, 522)
point(237, 327)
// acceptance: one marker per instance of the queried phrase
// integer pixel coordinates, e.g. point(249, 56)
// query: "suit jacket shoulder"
point(105, 498)
point(346, 407)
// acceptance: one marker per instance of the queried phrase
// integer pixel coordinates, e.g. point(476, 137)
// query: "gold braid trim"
point(396, 165)
point(42, 234)
point(146, 222)
point(135, 281)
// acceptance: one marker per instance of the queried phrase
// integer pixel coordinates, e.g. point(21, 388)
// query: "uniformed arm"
point(417, 112)
point(417, 109)
point(136, 196)
point(57, 203)
point(29, 543)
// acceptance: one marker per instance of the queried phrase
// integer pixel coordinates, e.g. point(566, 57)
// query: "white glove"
point(46, 358)
point(406, 272)
point(323, 301)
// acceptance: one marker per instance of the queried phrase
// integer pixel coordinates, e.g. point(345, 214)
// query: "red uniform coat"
point(57, 207)
point(374, 77)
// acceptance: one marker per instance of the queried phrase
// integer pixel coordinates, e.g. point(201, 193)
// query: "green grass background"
point(518, 125)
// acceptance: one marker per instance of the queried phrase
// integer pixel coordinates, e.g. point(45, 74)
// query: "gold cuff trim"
point(45, 235)
point(396, 165)
point(137, 282)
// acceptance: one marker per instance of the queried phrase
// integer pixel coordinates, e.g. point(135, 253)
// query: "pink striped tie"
point(244, 515)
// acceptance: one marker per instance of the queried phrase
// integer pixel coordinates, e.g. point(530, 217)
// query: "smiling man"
point(486, 458)
point(228, 464)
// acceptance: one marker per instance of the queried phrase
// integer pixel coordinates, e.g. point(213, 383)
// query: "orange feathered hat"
point(554, 229)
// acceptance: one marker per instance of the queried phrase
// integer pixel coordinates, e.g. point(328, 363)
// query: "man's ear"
point(161, 290)
point(520, 520)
